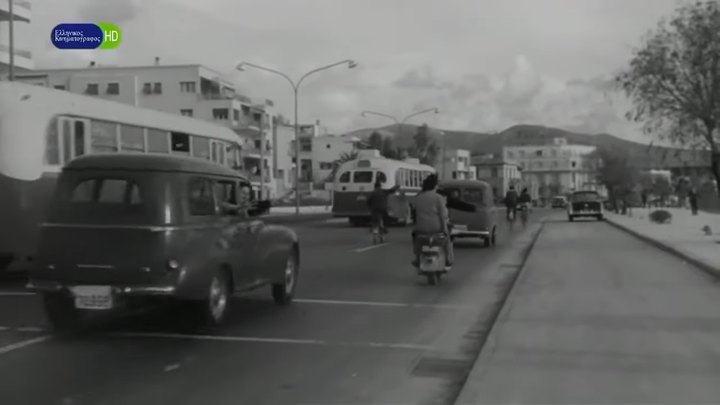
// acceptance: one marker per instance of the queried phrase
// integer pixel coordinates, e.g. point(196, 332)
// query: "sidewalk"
point(683, 237)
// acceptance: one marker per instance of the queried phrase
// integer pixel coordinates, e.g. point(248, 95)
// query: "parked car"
point(585, 204)
point(559, 201)
point(127, 230)
point(481, 222)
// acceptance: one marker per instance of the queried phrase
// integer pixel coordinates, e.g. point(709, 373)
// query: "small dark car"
point(585, 204)
point(127, 230)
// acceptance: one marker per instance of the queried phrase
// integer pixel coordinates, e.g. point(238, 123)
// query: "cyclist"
point(511, 201)
point(524, 201)
point(378, 203)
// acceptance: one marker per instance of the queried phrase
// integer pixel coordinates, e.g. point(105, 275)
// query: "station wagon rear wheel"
point(61, 312)
point(212, 310)
point(283, 292)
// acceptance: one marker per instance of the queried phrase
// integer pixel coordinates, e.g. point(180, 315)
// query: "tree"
point(375, 141)
point(425, 148)
point(673, 80)
point(617, 172)
point(344, 157)
point(388, 149)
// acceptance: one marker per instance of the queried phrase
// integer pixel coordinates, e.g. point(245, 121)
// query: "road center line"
point(22, 344)
point(250, 339)
point(365, 249)
point(381, 304)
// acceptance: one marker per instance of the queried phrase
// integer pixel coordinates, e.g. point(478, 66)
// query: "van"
point(482, 223)
point(126, 230)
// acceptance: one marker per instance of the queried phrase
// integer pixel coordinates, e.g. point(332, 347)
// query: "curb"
point(499, 313)
point(702, 265)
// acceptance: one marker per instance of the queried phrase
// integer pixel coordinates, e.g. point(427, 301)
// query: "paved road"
point(366, 329)
point(599, 317)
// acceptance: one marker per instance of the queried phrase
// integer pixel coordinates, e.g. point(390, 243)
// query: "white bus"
point(355, 180)
point(41, 129)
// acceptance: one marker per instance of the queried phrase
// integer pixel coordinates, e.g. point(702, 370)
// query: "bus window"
point(345, 177)
point(103, 136)
point(66, 134)
point(52, 144)
point(180, 143)
point(201, 147)
point(221, 152)
point(132, 138)
point(157, 141)
point(362, 177)
point(380, 176)
point(79, 138)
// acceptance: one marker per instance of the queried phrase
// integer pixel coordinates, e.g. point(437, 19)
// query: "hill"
point(647, 156)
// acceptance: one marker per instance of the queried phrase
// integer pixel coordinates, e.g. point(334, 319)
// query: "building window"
point(187, 87)
point(236, 114)
point(327, 146)
point(553, 153)
point(92, 89)
point(157, 88)
point(113, 88)
point(258, 145)
point(538, 153)
point(220, 113)
point(494, 172)
point(573, 164)
point(554, 163)
point(147, 88)
point(60, 87)
point(188, 112)
point(326, 166)
point(245, 110)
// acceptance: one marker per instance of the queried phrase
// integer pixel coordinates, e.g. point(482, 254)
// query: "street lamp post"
point(400, 123)
point(296, 87)
point(11, 45)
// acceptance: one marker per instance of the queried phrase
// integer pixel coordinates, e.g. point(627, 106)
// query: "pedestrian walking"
point(693, 198)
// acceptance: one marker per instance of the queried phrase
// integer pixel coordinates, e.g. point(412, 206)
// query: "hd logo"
point(86, 36)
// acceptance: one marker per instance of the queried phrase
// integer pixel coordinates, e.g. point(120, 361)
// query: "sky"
point(485, 64)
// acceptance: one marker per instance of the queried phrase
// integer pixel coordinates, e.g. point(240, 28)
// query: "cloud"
point(112, 11)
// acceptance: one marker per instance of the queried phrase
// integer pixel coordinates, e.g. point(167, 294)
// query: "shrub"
point(660, 217)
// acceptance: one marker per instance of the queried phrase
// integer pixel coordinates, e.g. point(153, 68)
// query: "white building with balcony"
point(454, 164)
point(555, 169)
point(21, 15)
point(189, 90)
point(327, 149)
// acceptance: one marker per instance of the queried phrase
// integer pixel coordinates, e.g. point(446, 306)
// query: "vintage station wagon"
point(130, 229)
point(481, 220)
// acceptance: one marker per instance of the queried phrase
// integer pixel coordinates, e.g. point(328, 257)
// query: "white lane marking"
point(3, 328)
point(381, 304)
point(30, 329)
point(22, 344)
point(15, 293)
point(365, 249)
point(249, 339)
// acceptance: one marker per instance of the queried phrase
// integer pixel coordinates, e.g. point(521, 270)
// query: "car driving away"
point(129, 230)
point(559, 201)
point(585, 204)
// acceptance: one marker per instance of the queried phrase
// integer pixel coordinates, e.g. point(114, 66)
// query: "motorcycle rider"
point(377, 203)
point(431, 217)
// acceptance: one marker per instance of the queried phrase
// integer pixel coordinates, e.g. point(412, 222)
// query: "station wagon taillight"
point(173, 264)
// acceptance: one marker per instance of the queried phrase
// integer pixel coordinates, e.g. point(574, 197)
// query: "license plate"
point(430, 249)
point(361, 198)
point(460, 227)
point(93, 297)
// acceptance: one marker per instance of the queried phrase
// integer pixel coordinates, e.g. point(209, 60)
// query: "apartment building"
point(454, 164)
point(556, 168)
point(498, 172)
point(189, 90)
point(326, 149)
point(21, 16)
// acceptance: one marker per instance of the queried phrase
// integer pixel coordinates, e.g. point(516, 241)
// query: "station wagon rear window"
point(107, 191)
point(585, 197)
point(473, 196)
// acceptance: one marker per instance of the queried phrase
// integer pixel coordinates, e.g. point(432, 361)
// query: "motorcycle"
point(431, 258)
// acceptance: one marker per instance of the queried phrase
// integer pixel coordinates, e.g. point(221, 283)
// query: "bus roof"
point(382, 162)
point(464, 183)
point(47, 102)
point(159, 162)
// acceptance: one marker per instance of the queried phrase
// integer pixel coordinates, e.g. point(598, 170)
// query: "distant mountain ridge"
point(647, 156)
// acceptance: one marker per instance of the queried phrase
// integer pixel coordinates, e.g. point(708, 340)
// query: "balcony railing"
point(19, 52)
